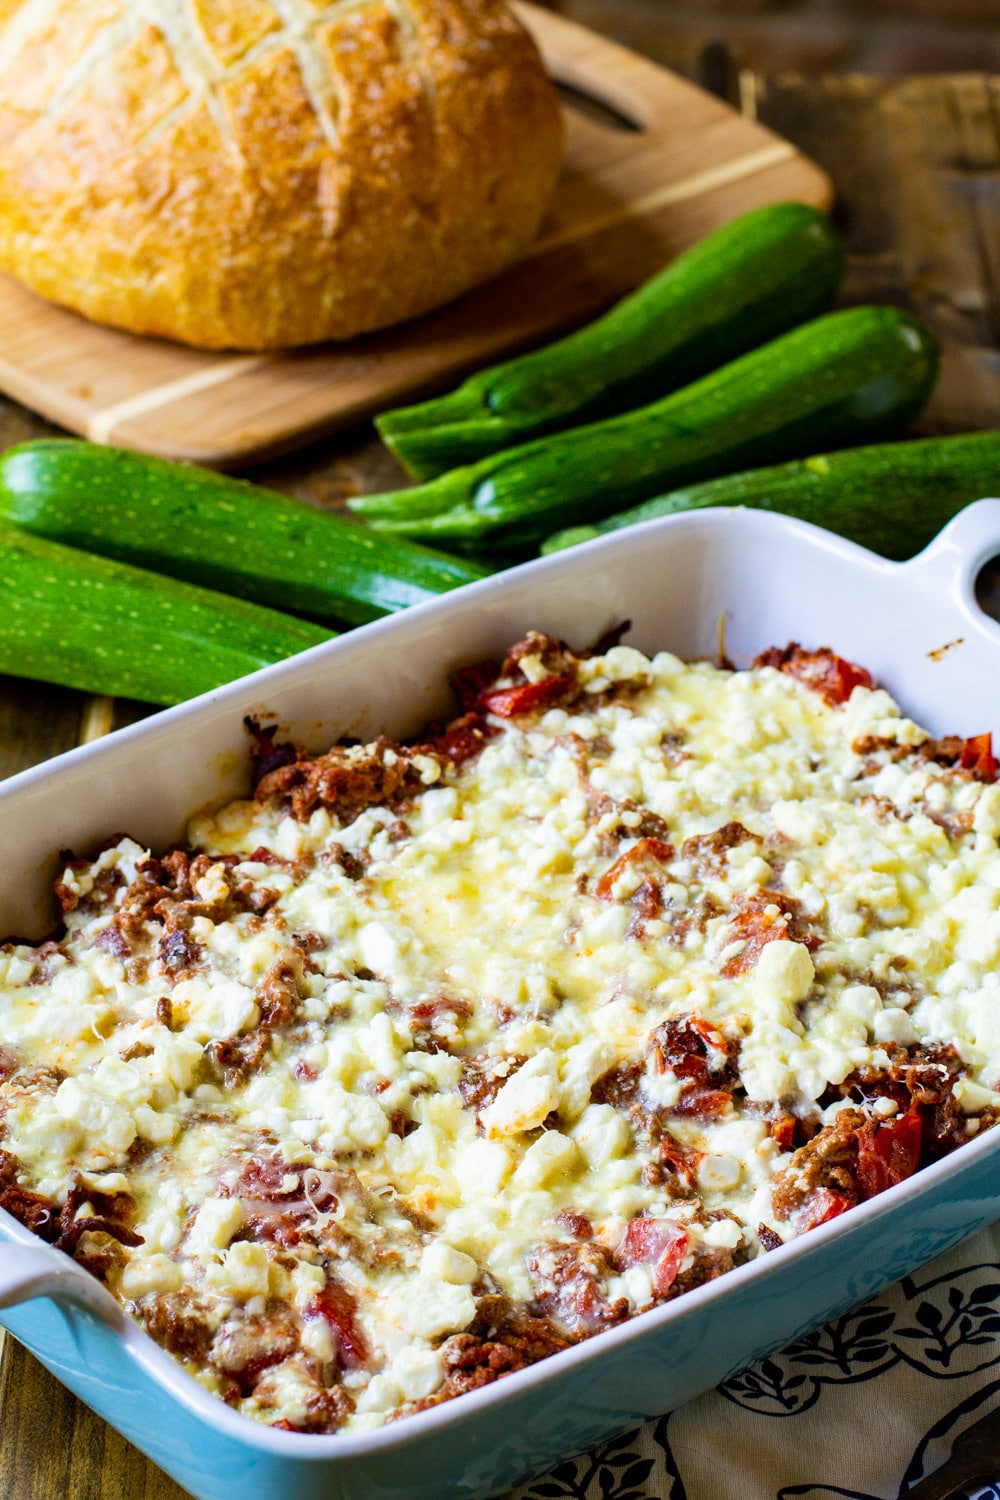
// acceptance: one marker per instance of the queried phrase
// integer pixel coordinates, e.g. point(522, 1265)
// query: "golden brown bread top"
point(258, 173)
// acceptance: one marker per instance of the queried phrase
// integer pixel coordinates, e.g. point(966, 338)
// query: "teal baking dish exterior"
point(773, 580)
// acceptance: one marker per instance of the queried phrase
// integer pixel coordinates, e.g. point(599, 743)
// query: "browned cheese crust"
point(255, 174)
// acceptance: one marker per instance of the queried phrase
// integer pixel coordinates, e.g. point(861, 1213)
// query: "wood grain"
point(84, 1458)
point(628, 201)
point(917, 165)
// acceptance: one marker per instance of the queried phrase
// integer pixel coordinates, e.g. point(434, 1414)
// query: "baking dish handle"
point(30, 1271)
point(958, 553)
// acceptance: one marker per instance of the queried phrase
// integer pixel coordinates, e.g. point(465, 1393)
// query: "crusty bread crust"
point(256, 174)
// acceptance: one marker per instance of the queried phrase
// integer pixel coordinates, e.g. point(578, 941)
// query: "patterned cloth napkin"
point(861, 1410)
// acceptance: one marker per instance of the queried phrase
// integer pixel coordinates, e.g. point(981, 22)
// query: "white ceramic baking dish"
point(772, 580)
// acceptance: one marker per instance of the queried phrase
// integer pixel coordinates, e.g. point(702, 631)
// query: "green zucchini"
point(849, 376)
point(766, 272)
point(85, 622)
point(891, 497)
point(222, 533)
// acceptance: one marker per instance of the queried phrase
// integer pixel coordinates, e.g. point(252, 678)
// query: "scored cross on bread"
point(264, 173)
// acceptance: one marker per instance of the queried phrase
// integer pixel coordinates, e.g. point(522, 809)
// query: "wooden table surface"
point(916, 162)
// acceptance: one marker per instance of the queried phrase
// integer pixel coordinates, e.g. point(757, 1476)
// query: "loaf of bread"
point(255, 174)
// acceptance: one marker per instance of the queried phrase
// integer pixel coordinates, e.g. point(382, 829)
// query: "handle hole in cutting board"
point(988, 588)
point(595, 109)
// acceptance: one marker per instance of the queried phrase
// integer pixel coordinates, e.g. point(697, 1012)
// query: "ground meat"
point(483, 1078)
point(470, 1363)
point(154, 913)
point(326, 1407)
point(277, 994)
point(353, 865)
point(820, 1181)
point(709, 851)
point(278, 998)
point(516, 1325)
point(619, 1086)
point(708, 1264)
point(47, 959)
point(245, 1347)
point(346, 780)
point(612, 813)
point(504, 1336)
point(436, 1024)
point(571, 1287)
point(87, 1213)
point(917, 1078)
point(179, 953)
point(576, 1224)
point(556, 657)
point(509, 694)
point(183, 1322)
point(36, 1213)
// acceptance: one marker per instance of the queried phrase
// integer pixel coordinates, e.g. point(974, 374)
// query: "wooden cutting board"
point(664, 164)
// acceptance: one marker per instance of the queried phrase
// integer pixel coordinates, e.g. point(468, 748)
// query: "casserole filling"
point(430, 1060)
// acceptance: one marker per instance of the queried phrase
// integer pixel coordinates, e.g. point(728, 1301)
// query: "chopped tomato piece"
point(686, 1046)
point(823, 1205)
point(977, 757)
point(645, 849)
point(676, 1158)
point(762, 918)
point(826, 673)
point(337, 1307)
point(462, 739)
point(658, 1243)
point(888, 1153)
point(700, 1057)
point(508, 703)
point(845, 678)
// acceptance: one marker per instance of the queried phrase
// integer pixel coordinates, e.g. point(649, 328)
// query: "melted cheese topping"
point(464, 970)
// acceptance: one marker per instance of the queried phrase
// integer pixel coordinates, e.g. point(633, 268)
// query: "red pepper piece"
point(659, 1243)
point(824, 1205)
point(888, 1153)
point(645, 849)
point(508, 703)
point(977, 757)
point(826, 673)
point(337, 1307)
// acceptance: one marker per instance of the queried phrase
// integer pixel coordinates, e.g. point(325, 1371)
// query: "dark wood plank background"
point(917, 166)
